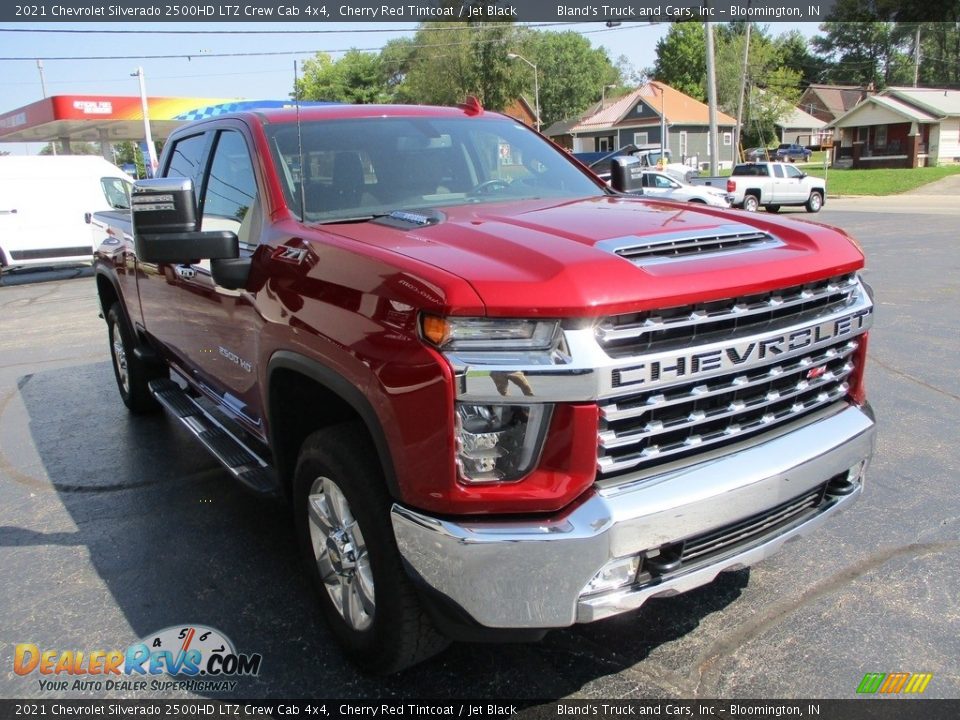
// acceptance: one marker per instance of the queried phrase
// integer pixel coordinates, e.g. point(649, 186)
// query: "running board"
point(242, 462)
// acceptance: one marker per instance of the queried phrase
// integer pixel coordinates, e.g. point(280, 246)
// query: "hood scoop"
point(687, 245)
point(410, 219)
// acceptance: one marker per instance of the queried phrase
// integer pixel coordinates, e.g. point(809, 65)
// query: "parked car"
point(759, 153)
point(792, 152)
point(661, 185)
point(774, 184)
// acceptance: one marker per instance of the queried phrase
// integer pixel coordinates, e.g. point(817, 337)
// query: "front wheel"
point(131, 373)
point(343, 523)
point(751, 203)
point(814, 202)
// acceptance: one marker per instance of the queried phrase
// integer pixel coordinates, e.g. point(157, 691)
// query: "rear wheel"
point(814, 202)
point(751, 203)
point(132, 374)
point(343, 523)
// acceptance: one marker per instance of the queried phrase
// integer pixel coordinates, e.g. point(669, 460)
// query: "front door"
point(221, 326)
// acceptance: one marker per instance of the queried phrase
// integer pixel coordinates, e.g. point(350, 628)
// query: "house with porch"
point(901, 128)
point(829, 102)
point(637, 119)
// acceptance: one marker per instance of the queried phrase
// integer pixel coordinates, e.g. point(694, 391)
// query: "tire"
point(751, 203)
point(342, 518)
point(772, 208)
point(132, 374)
point(814, 202)
point(697, 201)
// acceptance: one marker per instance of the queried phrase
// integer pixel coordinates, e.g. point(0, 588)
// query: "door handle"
point(12, 211)
point(185, 272)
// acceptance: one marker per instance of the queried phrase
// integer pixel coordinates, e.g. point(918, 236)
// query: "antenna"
point(296, 96)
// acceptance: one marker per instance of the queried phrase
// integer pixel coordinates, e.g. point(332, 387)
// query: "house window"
point(683, 144)
point(727, 139)
point(880, 139)
point(862, 134)
point(641, 139)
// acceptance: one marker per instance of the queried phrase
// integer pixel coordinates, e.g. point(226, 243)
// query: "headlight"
point(498, 443)
point(453, 333)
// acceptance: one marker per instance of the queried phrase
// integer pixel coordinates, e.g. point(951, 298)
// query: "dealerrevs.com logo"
point(185, 657)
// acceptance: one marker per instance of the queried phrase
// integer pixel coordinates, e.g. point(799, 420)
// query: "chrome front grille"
point(636, 333)
point(648, 428)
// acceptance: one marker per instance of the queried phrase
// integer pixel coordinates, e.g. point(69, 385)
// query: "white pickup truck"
point(773, 184)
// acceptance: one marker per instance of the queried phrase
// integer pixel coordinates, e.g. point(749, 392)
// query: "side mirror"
point(164, 212)
point(626, 174)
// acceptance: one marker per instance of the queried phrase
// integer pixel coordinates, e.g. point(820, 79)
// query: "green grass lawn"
point(875, 182)
point(879, 182)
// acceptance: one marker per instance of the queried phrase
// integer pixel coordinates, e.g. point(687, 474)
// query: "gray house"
point(636, 119)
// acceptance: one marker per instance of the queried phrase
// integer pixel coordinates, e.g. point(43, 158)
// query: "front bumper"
point(532, 573)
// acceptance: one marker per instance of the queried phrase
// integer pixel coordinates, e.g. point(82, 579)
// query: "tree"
point(572, 73)
point(682, 59)
point(796, 56)
point(772, 88)
point(864, 51)
point(76, 148)
point(357, 77)
point(939, 53)
point(466, 59)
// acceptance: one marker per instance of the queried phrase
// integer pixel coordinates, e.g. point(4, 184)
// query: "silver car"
point(660, 185)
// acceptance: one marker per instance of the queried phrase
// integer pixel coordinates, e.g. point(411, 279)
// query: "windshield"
point(365, 167)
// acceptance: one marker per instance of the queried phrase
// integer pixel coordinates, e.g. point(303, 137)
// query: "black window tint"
point(185, 157)
point(231, 188)
point(778, 171)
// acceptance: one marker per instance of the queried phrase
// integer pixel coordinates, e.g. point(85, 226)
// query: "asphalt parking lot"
point(113, 527)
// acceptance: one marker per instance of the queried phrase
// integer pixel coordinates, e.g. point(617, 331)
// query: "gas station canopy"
point(111, 119)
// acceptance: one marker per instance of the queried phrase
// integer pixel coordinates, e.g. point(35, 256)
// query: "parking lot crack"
point(704, 677)
point(908, 376)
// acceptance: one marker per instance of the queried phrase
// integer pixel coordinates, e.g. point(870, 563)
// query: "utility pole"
point(43, 89)
point(536, 81)
point(743, 88)
point(151, 150)
point(916, 58)
point(712, 101)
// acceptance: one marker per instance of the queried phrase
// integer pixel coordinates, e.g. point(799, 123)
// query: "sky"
point(210, 74)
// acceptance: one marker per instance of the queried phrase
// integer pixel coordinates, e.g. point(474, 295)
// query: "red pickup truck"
point(499, 396)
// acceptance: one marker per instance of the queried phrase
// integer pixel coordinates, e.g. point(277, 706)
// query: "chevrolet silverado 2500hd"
point(499, 396)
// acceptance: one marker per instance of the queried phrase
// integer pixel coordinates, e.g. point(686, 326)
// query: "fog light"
point(499, 443)
point(613, 575)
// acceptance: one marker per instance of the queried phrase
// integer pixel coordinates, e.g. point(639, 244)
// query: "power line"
point(77, 31)
point(263, 53)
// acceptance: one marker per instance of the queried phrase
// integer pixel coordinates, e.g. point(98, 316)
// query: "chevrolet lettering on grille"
point(669, 367)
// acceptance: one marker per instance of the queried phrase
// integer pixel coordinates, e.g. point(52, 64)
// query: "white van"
point(44, 201)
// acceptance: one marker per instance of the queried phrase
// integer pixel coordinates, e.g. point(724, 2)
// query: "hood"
point(561, 259)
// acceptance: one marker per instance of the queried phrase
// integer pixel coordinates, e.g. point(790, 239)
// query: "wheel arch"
point(295, 382)
point(109, 293)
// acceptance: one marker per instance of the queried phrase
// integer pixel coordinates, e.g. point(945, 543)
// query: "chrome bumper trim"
point(532, 573)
